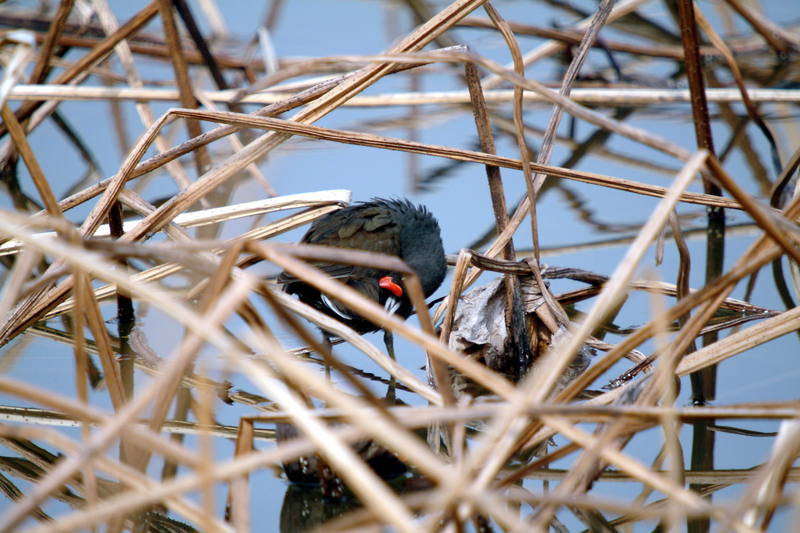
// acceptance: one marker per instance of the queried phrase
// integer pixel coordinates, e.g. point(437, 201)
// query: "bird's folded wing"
point(333, 270)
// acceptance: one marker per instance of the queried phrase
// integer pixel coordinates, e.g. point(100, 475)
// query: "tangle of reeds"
point(488, 450)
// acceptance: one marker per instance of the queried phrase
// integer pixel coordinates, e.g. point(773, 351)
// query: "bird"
point(389, 226)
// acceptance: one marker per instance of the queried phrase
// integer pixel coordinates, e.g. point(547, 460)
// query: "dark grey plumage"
point(392, 227)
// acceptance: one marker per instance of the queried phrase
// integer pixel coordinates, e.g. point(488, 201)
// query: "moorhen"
point(392, 227)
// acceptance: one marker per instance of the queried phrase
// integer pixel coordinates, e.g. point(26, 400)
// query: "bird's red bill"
point(386, 282)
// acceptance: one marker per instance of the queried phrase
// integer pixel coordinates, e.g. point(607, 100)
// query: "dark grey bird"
point(392, 227)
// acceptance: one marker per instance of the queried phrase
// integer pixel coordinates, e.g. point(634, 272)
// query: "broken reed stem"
point(486, 139)
point(187, 98)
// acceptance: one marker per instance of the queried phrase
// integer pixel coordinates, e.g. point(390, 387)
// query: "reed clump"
point(523, 433)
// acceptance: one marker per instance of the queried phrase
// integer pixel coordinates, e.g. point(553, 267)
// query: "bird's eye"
point(386, 282)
